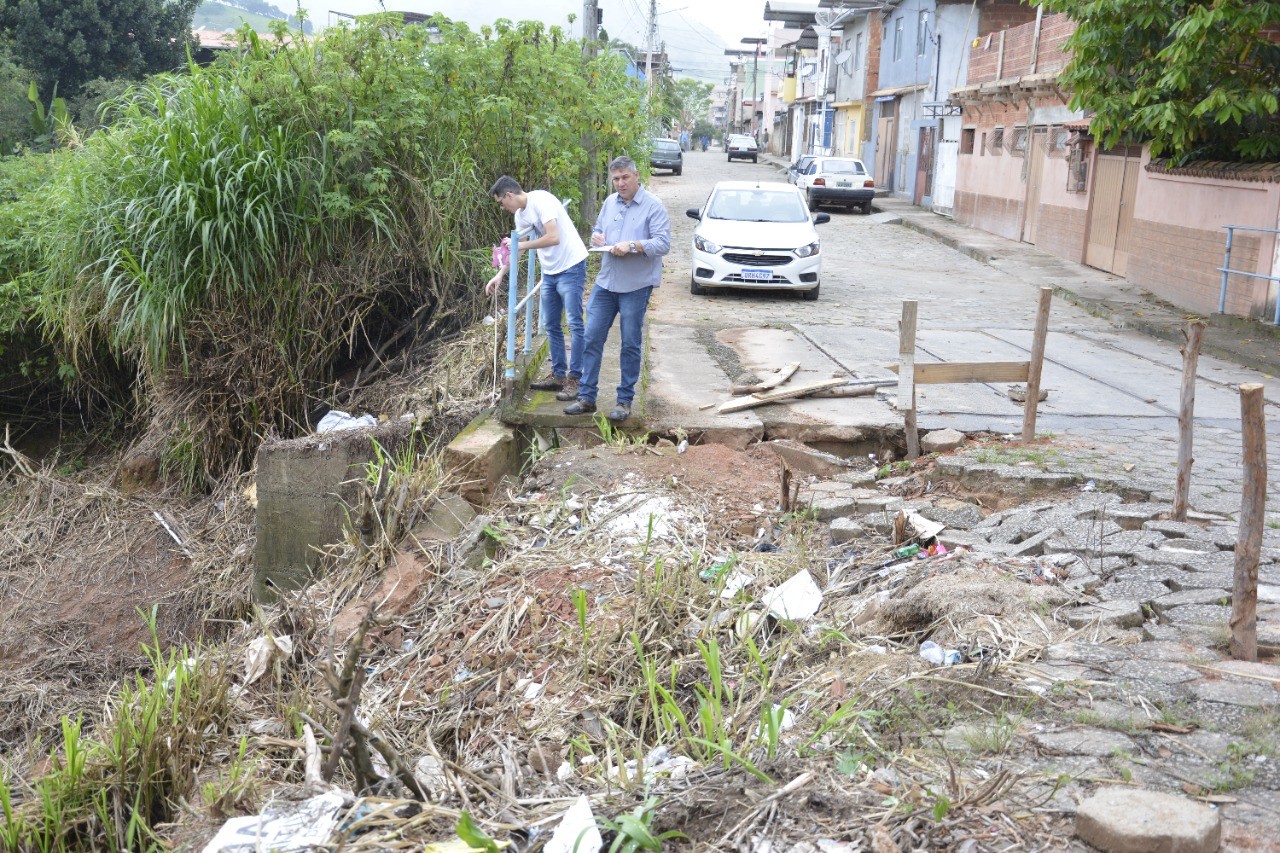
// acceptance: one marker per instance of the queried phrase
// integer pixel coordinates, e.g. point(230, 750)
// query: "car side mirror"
point(693, 213)
point(821, 218)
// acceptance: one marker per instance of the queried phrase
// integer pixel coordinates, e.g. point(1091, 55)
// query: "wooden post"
point(907, 375)
point(1194, 334)
point(1030, 407)
point(1244, 592)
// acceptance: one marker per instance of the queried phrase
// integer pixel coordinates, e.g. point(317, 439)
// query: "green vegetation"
point(1198, 79)
point(239, 233)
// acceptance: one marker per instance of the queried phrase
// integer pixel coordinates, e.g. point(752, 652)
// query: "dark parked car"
point(666, 154)
point(796, 169)
point(743, 147)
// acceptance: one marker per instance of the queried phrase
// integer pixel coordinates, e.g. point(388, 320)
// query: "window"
point(966, 139)
point(857, 52)
point(1018, 143)
point(997, 141)
point(897, 39)
point(922, 32)
point(982, 152)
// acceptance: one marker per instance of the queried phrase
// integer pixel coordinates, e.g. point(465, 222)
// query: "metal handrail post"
point(1226, 266)
point(528, 306)
point(512, 285)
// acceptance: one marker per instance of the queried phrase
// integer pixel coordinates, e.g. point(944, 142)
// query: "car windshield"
point(842, 167)
point(754, 205)
point(742, 140)
point(666, 145)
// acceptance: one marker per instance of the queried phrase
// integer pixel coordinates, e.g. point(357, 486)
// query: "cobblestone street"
point(1113, 393)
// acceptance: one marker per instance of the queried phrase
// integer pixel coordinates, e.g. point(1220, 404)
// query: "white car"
point(755, 234)
point(837, 180)
point(742, 147)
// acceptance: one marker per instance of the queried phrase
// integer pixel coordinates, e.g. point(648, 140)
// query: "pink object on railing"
point(502, 254)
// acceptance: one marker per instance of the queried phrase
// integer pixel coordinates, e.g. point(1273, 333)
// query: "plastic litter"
point(296, 826)
point(261, 652)
point(938, 656)
point(682, 446)
point(797, 598)
point(906, 551)
point(577, 830)
point(337, 420)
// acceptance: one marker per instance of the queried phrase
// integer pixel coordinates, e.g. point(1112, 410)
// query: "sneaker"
point(620, 412)
point(581, 407)
point(550, 382)
point(569, 391)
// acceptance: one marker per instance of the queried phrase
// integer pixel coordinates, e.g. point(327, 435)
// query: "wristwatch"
point(632, 245)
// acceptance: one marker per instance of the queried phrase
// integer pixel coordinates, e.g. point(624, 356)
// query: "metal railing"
point(1227, 271)
point(515, 303)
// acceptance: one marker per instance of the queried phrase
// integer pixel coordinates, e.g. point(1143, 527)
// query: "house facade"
point(1030, 171)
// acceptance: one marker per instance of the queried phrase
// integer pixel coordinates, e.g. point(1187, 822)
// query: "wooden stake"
point(907, 375)
point(1029, 408)
point(1194, 334)
point(1244, 593)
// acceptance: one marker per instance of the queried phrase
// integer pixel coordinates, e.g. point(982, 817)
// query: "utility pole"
point(755, 43)
point(588, 178)
point(651, 41)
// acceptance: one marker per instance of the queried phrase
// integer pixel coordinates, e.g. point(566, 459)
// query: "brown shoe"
point(569, 391)
point(550, 382)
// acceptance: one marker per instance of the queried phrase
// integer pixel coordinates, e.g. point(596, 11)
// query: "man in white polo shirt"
point(563, 258)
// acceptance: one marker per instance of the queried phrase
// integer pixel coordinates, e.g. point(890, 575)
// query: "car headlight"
point(704, 245)
point(807, 251)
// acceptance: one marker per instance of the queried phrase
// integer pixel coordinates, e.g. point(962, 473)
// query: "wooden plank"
point(775, 379)
point(958, 372)
point(1194, 334)
point(1032, 406)
point(768, 397)
point(907, 375)
point(1244, 592)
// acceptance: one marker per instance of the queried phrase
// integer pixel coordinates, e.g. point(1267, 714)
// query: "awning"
point(885, 94)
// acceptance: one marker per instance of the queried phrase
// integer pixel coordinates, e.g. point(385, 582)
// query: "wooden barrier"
point(1194, 334)
point(911, 374)
point(1244, 592)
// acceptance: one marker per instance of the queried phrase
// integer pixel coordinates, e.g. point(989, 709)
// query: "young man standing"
point(633, 224)
point(563, 258)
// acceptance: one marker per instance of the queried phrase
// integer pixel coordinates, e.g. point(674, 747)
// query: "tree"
point(70, 42)
point(1197, 79)
point(693, 100)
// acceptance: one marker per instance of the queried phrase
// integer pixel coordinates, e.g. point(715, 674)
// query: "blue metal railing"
point(1226, 270)
point(514, 304)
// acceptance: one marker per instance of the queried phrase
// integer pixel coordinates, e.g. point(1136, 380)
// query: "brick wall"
point(1180, 264)
point(997, 15)
point(1060, 231)
point(1000, 216)
point(984, 58)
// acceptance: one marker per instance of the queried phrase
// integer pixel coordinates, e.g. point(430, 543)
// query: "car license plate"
point(756, 275)
point(843, 184)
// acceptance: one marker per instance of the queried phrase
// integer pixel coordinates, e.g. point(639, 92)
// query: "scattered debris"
point(284, 827)
point(335, 421)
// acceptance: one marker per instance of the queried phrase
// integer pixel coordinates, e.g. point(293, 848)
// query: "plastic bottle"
point(906, 551)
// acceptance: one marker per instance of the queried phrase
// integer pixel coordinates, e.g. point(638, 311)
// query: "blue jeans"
point(605, 305)
point(562, 292)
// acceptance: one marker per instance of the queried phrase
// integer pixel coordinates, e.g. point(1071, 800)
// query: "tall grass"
point(243, 231)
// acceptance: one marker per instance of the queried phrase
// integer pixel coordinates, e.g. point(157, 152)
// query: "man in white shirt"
point(563, 258)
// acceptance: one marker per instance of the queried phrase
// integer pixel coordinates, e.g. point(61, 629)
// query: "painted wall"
point(1178, 239)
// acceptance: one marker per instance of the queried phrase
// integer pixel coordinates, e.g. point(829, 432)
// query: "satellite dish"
point(843, 56)
point(824, 17)
point(807, 69)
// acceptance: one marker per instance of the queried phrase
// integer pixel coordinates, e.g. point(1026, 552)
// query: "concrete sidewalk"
point(1249, 343)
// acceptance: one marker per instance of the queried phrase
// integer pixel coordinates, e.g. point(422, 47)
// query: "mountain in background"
point(221, 15)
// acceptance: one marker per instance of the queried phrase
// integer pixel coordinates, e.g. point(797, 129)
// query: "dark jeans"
point(604, 306)
point(562, 293)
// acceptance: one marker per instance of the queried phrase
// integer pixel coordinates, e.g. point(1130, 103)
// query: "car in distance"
point(837, 180)
point(742, 146)
point(756, 234)
point(796, 169)
point(666, 154)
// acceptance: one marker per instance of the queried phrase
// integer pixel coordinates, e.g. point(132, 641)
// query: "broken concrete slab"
point(304, 486)
point(844, 530)
point(955, 514)
point(1191, 597)
point(1162, 672)
point(1238, 693)
point(1143, 591)
point(800, 457)
point(1035, 545)
point(1084, 741)
point(858, 479)
point(1123, 613)
point(941, 441)
point(1134, 516)
point(1201, 545)
point(481, 455)
point(831, 507)
point(1198, 615)
point(448, 516)
point(1079, 651)
point(1134, 820)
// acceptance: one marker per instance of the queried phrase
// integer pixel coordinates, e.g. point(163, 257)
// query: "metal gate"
point(924, 164)
point(1115, 186)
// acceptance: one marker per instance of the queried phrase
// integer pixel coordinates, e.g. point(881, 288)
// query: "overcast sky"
point(696, 32)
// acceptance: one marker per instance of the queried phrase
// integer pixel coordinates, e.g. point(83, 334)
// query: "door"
point(886, 144)
point(924, 164)
point(1115, 187)
point(1035, 174)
